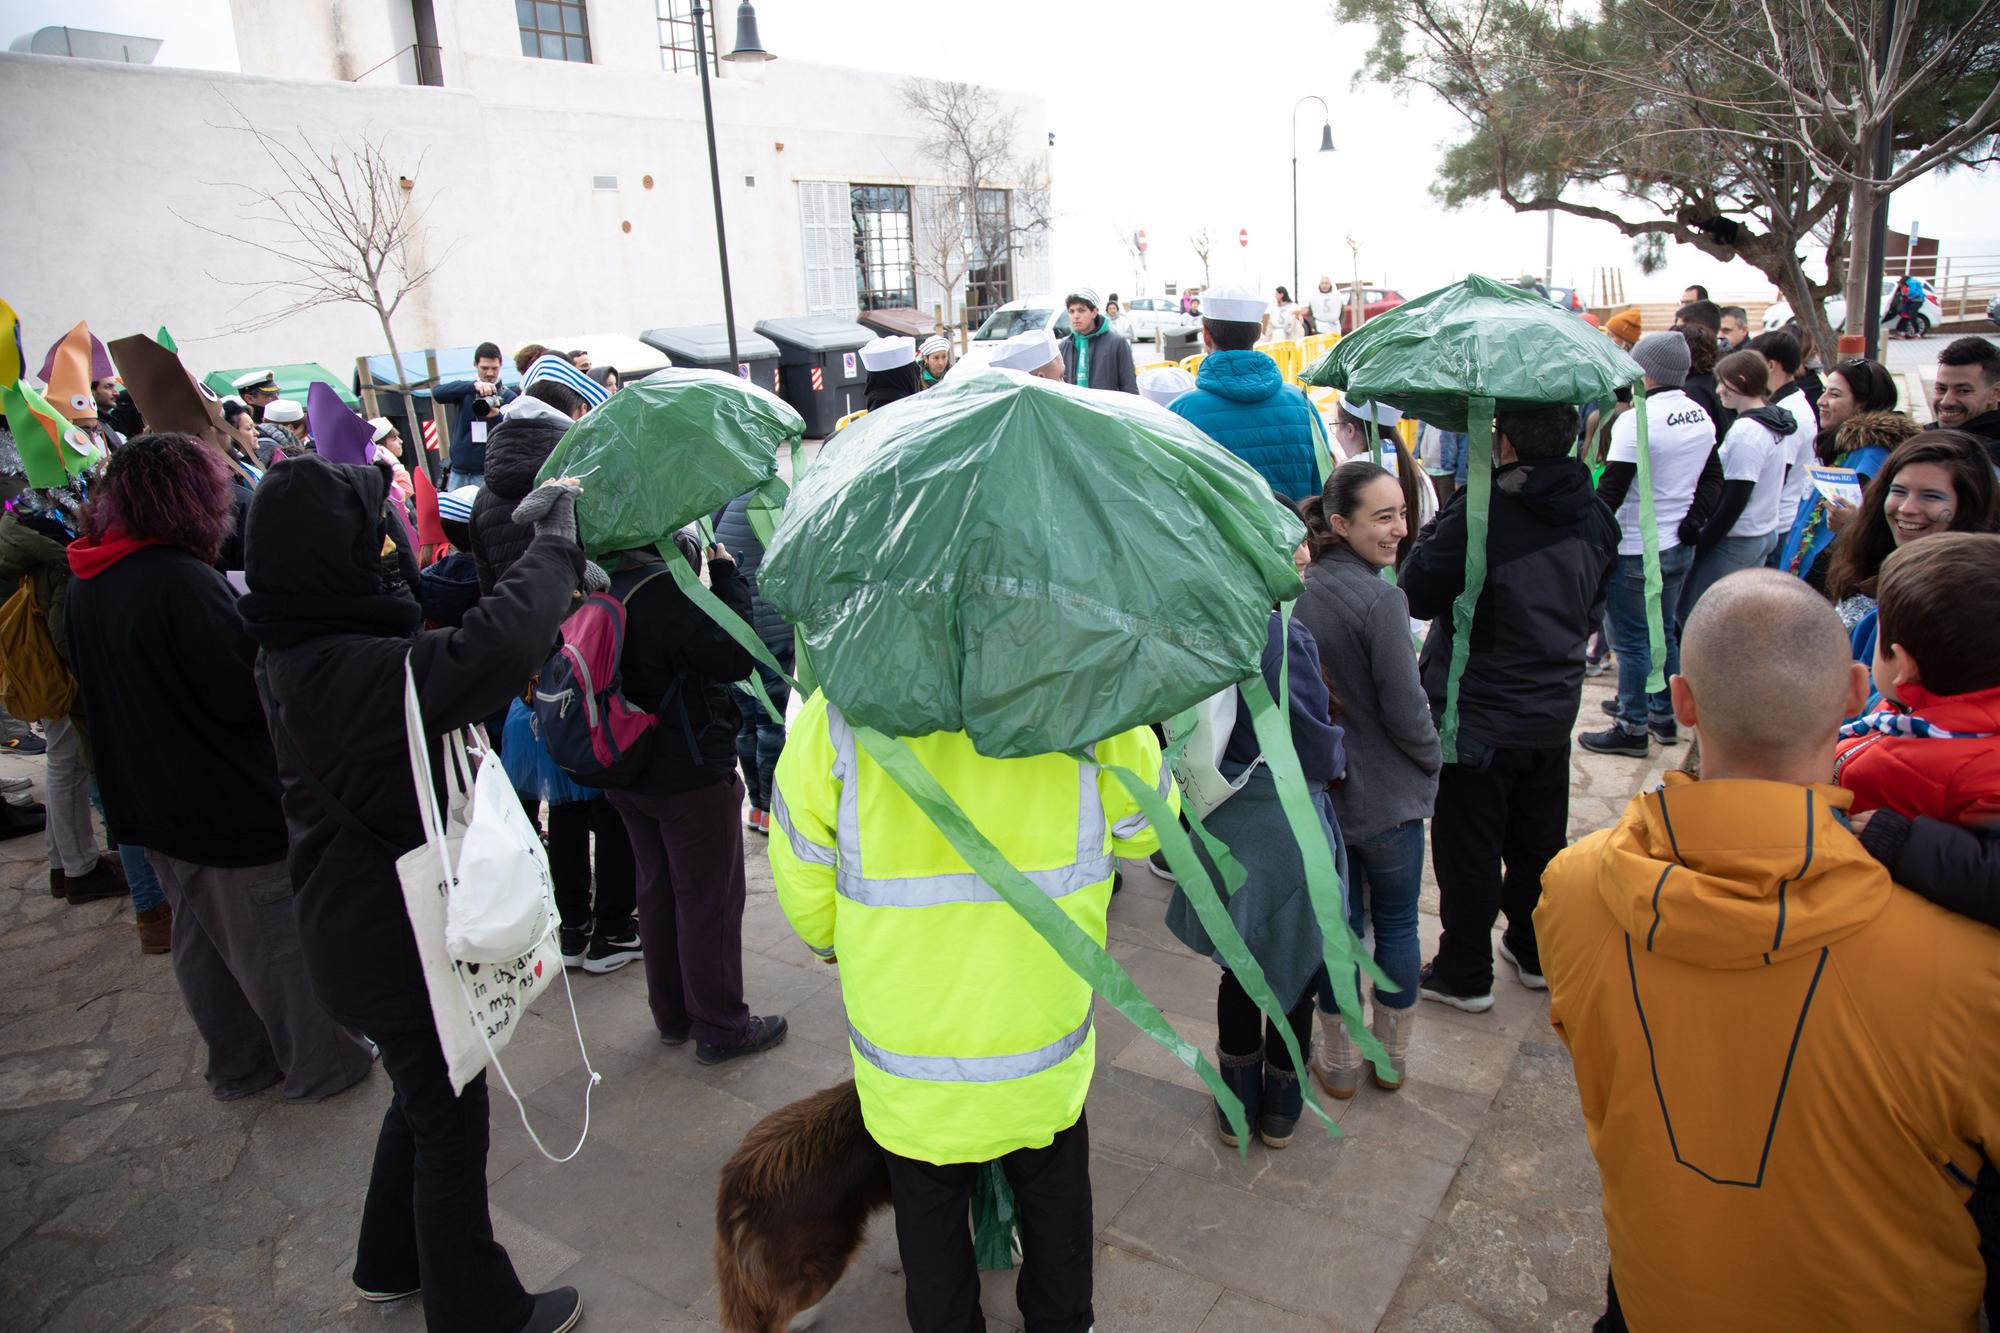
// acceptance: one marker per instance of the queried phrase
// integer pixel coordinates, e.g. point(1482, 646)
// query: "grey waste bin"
point(706, 347)
point(1179, 344)
point(819, 366)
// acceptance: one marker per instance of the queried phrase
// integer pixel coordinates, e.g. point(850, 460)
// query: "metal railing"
point(1963, 284)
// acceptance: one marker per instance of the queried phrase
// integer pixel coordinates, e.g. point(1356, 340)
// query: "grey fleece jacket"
point(1362, 626)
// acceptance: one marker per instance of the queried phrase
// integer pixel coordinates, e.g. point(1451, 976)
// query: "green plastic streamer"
point(1194, 881)
point(1322, 456)
point(1478, 507)
point(1649, 537)
point(1083, 955)
point(993, 1219)
point(1339, 947)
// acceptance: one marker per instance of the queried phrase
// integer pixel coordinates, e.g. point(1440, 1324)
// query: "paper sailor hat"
point(1237, 304)
point(889, 353)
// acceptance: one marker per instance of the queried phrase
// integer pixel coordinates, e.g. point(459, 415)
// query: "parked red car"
point(1374, 301)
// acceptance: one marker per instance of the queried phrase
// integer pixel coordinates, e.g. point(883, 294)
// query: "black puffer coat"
point(733, 530)
point(515, 452)
point(335, 623)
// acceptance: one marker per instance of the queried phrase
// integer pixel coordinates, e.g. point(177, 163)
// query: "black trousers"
point(1242, 1028)
point(570, 827)
point(425, 1223)
point(934, 1233)
point(1497, 823)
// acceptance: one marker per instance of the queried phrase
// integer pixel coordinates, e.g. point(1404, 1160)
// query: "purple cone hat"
point(338, 434)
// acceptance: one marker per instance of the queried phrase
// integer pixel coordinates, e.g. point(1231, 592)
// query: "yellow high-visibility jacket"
point(970, 1037)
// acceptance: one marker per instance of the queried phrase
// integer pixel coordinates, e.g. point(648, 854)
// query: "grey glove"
point(594, 578)
point(551, 509)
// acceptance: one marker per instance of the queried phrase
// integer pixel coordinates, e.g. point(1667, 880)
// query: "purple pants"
point(687, 850)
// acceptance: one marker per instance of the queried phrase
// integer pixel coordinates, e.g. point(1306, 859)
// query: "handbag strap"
point(328, 802)
point(457, 770)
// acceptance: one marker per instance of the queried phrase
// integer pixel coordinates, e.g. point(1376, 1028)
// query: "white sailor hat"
point(285, 412)
point(889, 353)
point(1237, 304)
point(255, 379)
point(1163, 384)
point(1028, 351)
point(381, 426)
point(1380, 413)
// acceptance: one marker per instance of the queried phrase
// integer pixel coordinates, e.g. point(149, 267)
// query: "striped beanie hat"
point(457, 505)
point(549, 366)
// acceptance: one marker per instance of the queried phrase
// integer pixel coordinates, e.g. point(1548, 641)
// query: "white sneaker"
point(1532, 980)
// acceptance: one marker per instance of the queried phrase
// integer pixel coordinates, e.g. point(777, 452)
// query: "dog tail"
point(810, 1160)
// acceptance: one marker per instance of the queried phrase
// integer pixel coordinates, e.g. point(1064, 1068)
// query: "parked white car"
point(1152, 315)
point(1033, 312)
point(1836, 311)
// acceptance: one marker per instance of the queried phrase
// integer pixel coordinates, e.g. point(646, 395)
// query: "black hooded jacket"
point(884, 387)
point(515, 452)
point(1549, 549)
point(335, 622)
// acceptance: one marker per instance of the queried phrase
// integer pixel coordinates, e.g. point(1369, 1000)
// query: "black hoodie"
point(1550, 546)
point(515, 452)
point(335, 623)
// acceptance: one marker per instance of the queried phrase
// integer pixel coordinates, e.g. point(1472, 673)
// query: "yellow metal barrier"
point(1313, 348)
point(1286, 354)
point(849, 419)
point(1192, 364)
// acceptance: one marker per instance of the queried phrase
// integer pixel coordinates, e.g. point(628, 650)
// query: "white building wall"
point(503, 158)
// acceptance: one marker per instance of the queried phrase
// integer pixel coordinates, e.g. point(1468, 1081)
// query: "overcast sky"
point(1171, 115)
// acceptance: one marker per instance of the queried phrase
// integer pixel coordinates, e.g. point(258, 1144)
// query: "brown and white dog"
point(790, 1210)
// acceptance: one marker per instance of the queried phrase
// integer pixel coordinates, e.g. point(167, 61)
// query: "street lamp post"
point(1325, 146)
point(748, 49)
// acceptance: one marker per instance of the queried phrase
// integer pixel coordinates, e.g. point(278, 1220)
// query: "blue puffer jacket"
point(1243, 404)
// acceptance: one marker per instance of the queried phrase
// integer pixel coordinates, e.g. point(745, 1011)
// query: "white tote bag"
point(1199, 769)
point(477, 1006)
point(503, 899)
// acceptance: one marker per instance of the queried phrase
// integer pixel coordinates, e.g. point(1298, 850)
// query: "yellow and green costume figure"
point(970, 1037)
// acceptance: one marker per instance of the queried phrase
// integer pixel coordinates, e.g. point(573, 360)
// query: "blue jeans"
point(1625, 626)
point(139, 877)
point(1384, 876)
point(759, 740)
point(458, 479)
point(1728, 556)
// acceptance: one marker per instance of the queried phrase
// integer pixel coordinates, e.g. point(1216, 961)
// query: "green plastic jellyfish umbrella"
point(668, 449)
point(1035, 565)
point(1042, 566)
point(1456, 356)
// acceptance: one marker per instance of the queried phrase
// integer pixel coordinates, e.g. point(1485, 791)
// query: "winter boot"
point(156, 928)
point(1392, 1027)
point(1244, 1076)
point(1284, 1103)
point(1337, 1062)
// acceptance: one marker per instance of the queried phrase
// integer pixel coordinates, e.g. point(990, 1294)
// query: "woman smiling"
point(1939, 481)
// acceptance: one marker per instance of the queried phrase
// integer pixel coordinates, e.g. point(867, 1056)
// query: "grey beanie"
point(1664, 357)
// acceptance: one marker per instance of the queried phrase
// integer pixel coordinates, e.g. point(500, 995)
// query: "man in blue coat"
point(1243, 403)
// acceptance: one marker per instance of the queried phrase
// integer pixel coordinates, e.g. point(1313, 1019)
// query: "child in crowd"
point(1925, 772)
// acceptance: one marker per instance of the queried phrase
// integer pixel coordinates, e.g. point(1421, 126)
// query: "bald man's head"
point(1769, 665)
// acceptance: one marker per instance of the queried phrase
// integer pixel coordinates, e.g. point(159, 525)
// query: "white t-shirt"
point(1802, 442)
point(1284, 321)
point(1753, 452)
point(1326, 307)
point(1679, 439)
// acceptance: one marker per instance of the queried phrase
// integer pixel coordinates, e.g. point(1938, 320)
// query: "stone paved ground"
point(130, 1200)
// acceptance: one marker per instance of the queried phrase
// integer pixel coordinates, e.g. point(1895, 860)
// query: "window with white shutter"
point(826, 226)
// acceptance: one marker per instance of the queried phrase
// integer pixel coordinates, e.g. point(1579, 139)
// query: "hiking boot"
point(1664, 730)
point(1432, 987)
point(1392, 1027)
point(156, 928)
point(762, 1034)
point(1284, 1103)
point(1530, 978)
point(1610, 707)
point(575, 942)
point(612, 949)
point(1244, 1076)
point(1158, 861)
point(1337, 1062)
point(1615, 739)
point(106, 881)
point(28, 743)
point(18, 821)
point(555, 1311)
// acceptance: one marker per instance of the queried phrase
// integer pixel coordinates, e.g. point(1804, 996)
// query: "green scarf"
point(1082, 341)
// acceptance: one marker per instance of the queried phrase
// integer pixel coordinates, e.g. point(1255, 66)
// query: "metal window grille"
point(883, 271)
point(553, 29)
point(677, 53)
point(989, 275)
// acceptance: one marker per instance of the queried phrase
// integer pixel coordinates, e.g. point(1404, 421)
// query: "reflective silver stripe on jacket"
point(1093, 865)
point(802, 847)
point(971, 1068)
point(1134, 824)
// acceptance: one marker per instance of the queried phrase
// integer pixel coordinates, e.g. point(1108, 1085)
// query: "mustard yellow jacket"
point(970, 1037)
point(1789, 1066)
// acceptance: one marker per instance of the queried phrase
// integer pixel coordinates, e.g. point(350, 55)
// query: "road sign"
point(1243, 237)
point(1140, 238)
point(847, 364)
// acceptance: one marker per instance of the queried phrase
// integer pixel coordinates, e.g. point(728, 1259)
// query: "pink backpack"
point(592, 732)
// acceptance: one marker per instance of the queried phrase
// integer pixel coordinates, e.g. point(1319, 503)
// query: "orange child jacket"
point(1788, 1064)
